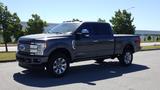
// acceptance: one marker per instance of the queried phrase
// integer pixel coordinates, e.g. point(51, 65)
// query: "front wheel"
point(58, 65)
point(126, 58)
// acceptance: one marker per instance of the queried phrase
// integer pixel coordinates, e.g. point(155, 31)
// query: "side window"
point(85, 26)
point(101, 29)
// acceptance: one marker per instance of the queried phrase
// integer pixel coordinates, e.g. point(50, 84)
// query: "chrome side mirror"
point(85, 32)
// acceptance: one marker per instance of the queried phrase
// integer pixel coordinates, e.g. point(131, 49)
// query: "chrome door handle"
point(95, 41)
point(111, 40)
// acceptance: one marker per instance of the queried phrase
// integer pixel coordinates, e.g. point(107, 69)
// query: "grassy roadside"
point(149, 41)
point(150, 47)
point(11, 56)
point(7, 56)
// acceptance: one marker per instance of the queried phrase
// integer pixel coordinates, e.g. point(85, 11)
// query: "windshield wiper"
point(56, 32)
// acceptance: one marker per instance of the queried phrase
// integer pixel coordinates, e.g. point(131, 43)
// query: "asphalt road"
point(144, 74)
point(10, 48)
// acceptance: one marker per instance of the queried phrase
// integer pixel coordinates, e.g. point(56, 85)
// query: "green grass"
point(7, 56)
point(150, 47)
point(149, 41)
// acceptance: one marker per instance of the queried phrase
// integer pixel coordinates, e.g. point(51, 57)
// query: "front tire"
point(58, 65)
point(126, 58)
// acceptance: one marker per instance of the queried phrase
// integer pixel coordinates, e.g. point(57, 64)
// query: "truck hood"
point(43, 36)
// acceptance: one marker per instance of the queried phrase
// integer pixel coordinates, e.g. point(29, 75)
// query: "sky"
point(146, 13)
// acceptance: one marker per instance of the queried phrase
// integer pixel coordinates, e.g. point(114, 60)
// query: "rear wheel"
point(126, 58)
point(58, 65)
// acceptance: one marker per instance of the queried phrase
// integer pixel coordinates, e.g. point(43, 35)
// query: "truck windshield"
point(64, 28)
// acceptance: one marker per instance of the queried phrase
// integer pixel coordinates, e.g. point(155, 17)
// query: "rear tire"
point(58, 65)
point(126, 58)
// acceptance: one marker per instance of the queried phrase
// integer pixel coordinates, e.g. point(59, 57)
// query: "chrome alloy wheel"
point(128, 57)
point(59, 66)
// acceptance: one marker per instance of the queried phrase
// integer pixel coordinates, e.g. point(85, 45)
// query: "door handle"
point(111, 40)
point(95, 41)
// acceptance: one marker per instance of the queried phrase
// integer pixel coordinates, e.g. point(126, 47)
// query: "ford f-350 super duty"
point(75, 41)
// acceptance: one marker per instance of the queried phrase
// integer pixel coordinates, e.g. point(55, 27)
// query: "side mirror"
point(85, 33)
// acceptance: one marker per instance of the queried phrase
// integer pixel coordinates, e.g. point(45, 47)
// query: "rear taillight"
point(137, 41)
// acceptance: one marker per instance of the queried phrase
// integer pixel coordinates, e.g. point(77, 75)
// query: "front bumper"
point(31, 61)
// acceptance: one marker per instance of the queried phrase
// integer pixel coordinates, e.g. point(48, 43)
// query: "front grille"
point(23, 53)
point(26, 50)
point(26, 43)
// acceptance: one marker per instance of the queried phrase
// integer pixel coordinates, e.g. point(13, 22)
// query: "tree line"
point(10, 24)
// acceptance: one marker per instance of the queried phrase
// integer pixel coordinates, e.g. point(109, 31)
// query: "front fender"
point(53, 47)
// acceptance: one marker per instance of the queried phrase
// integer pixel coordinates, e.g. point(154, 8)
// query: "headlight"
point(37, 48)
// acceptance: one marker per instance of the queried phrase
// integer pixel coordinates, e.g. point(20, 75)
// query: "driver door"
point(84, 46)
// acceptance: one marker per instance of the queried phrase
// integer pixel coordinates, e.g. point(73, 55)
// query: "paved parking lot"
point(144, 74)
point(10, 48)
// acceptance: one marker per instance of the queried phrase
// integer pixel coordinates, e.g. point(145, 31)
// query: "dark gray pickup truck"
point(75, 41)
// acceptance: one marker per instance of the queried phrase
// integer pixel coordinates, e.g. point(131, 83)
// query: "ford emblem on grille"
point(21, 47)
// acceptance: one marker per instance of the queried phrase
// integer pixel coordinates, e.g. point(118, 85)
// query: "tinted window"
point(101, 29)
point(85, 26)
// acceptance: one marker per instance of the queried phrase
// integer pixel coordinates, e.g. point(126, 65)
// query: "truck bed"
point(123, 39)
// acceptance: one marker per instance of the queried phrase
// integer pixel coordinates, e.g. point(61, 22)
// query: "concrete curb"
point(149, 49)
point(8, 61)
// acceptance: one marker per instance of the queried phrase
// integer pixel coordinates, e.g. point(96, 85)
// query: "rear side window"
point(101, 29)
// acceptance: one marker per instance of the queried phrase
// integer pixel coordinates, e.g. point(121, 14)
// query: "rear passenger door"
point(103, 39)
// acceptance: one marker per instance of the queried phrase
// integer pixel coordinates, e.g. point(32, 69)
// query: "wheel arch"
point(130, 46)
point(61, 50)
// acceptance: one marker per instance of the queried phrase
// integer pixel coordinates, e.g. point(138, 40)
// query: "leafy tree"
point(5, 19)
point(9, 24)
point(157, 39)
point(35, 25)
point(101, 20)
point(122, 22)
point(74, 20)
point(149, 38)
point(16, 26)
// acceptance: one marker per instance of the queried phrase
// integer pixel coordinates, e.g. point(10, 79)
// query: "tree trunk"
point(5, 38)
point(6, 47)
